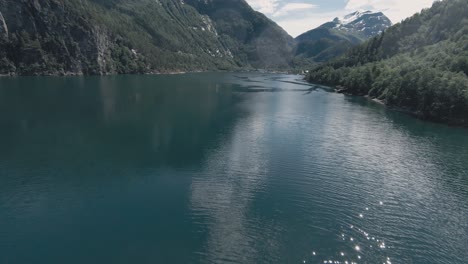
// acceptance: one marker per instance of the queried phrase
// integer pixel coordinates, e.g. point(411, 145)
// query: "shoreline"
point(415, 114)
point(419, 115)
point(68, 74)
point(152, 72)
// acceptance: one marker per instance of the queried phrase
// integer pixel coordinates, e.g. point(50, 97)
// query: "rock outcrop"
point(3, 27)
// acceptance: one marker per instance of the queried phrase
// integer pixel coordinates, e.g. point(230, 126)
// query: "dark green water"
point(223, 168)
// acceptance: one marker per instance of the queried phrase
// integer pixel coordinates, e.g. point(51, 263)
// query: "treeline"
point(420, 65)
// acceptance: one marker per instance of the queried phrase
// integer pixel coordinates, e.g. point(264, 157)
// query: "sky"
point(299, 16)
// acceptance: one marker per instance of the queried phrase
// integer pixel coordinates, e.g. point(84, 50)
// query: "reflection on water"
point(126, 116)
point(233, 175)
point(214, 168)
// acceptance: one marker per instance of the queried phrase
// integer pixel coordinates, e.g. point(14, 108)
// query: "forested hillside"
point(120, 36)
point(419, 65)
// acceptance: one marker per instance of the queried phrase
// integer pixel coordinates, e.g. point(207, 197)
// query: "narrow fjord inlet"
point(223, 168)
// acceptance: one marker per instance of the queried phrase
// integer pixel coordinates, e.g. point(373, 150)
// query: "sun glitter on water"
point(363, 247)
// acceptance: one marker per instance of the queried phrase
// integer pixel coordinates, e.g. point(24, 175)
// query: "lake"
point(223, 168)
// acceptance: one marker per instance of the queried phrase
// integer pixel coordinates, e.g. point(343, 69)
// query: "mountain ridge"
point(368, 23)
point(334, 38)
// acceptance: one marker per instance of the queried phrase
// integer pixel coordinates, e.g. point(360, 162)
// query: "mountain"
point(362, 24)
point(251, 36)
point(51, 37)
point(334, 38)
point(419, 65)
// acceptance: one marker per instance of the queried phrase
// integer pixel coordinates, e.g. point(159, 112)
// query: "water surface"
point(223, 168)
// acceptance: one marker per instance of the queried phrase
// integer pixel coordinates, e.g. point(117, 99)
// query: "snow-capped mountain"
point(367, 23)
point(334, 38)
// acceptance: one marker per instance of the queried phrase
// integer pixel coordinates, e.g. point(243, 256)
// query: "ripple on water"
point(284, 177)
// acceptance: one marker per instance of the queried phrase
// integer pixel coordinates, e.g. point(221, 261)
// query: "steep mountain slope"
point(420, 65)
point(250, 35)
point(106, 36)
point(334, 38)
point(121, 36)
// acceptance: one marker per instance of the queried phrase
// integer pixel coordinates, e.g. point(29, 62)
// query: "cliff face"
point(3, 27)
point(48, 37)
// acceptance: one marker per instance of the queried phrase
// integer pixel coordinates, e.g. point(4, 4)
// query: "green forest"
point(419, 65)
point(54, 37)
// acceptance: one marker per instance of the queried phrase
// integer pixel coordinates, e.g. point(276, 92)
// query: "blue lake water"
point(223, 168)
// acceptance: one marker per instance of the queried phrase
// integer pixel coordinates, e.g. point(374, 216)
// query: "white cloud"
point(297, 17)
point(293, 8)
point(264, 6)
point(396, 10)
point(296, 25)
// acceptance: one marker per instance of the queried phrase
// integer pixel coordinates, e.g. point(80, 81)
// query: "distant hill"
point(334, 38)
point(120, 36)
point(419, 65)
